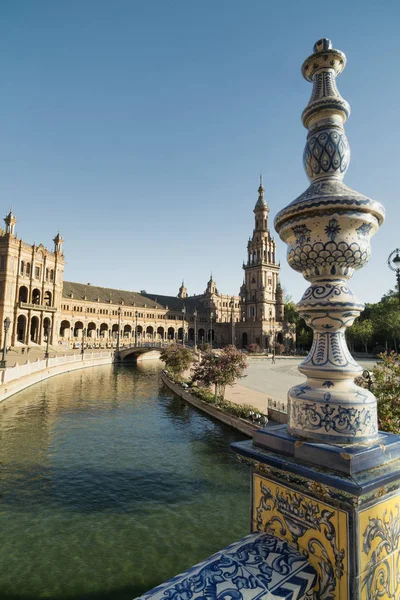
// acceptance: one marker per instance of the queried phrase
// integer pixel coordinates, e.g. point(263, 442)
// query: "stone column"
point(329, 482)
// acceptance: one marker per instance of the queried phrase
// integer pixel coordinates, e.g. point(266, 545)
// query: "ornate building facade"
point(261, 296)
point(38, 301)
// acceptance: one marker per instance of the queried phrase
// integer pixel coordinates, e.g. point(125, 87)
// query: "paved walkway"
point(266, 380)
point(15, 356)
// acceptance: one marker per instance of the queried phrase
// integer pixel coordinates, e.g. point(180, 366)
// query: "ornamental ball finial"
point(322, 45)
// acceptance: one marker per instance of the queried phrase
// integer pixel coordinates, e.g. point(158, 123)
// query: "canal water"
point(110, 485)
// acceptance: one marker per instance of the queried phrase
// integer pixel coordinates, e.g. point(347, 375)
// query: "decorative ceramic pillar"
point(328, 230)
point(329, 482)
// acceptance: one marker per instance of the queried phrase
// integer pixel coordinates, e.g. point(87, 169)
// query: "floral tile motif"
point(311, 526)
point(260, 566)
point(379, 533)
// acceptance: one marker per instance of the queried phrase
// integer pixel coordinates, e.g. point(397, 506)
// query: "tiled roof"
point(94, 293)
point(174, 303)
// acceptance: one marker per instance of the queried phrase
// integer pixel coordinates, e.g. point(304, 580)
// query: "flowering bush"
point(253, 348)
point(220, 369)
point(385, 385)
point(177, 358)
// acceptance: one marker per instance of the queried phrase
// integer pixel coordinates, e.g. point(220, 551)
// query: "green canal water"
point(110, 485)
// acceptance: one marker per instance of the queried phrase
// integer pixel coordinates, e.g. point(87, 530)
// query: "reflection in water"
point(110, 485)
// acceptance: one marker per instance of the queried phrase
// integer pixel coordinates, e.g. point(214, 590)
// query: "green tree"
point(177, 358)
point(292, 319)
point(361, 331)
point(290, 314)
point(220, 369)
point(386, 319)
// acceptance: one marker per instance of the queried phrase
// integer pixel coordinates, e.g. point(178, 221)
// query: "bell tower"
point(261, 271)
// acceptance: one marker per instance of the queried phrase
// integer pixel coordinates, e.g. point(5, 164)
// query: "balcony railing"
point(37, 306)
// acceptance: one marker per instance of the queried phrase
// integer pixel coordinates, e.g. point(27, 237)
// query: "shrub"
point(204, 347)
point(385, 385)
point(220, 369)
point(253, 348)
point(177, 358)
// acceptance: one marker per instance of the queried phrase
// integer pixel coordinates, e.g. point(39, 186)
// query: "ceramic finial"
point(327, 152)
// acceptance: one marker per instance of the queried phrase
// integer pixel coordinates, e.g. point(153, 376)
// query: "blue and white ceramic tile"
point(260, 566)
point(327, 230)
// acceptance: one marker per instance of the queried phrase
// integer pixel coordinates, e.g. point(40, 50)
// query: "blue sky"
point(139, 129)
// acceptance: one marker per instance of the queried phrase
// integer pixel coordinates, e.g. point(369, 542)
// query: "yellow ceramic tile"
point(379, 532)
point(310, 524)
point(379, 581)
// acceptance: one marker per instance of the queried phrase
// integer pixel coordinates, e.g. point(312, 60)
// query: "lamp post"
point(119, 329)
point(394, 265)
point(47, 334)
point(232, 304)
point(195, 330)
point(211, 335)
point(83, 342)
point(136, 316)
point(6, 328)
point(272, 328)
point(183, 324)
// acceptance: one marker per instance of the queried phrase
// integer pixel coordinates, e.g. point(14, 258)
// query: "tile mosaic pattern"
point(259, 566)
point(318, 530)
point(379, 541)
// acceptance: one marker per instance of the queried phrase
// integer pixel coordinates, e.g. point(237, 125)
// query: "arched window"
point(47, 298)
point(36, 296)
point(65, 329)
point(21, 328)
point(23, 294)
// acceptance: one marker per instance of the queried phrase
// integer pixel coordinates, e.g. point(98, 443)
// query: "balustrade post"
point(329, 481)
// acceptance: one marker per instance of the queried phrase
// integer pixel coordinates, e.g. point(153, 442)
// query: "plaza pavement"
point(266, 380)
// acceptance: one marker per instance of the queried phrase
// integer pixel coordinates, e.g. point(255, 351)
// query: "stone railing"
point(29, 305)
point(18, 371)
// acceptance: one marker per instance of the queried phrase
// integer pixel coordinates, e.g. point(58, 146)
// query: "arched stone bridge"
point(132, 352)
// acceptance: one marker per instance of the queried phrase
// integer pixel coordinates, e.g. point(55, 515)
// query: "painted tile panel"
point(257, 567)
point(317, 529)
point(379, 532)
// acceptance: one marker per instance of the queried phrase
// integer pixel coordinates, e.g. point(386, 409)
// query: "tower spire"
point(10, 222)
point(261, 203)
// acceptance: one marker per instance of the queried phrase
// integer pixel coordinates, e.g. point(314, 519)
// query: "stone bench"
point(258, 567)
